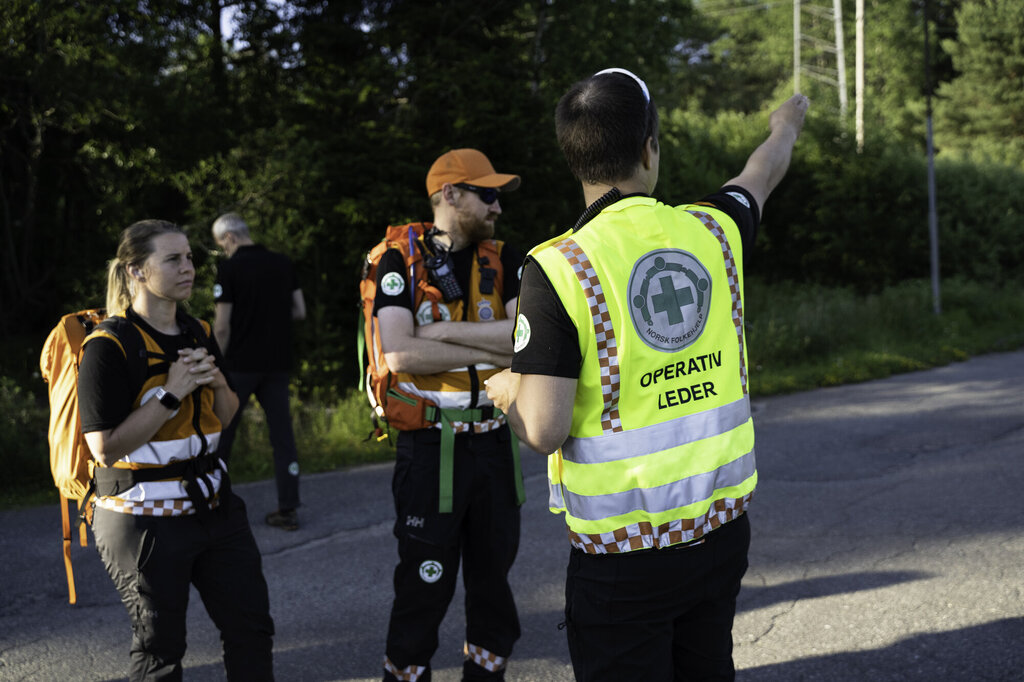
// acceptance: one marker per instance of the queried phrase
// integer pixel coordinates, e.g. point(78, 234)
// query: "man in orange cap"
point(446, 326)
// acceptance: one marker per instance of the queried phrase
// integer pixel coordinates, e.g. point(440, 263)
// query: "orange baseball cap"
point(469, 166)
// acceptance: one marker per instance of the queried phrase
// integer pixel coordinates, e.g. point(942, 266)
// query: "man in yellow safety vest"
point(630, 366)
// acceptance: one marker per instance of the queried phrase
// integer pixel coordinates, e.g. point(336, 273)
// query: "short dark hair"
point(602, 124)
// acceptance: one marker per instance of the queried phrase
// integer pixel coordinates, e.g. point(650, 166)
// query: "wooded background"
point(317, 120)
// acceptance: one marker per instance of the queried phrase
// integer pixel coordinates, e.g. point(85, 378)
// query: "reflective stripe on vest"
point(685, 492)
point(657, 437)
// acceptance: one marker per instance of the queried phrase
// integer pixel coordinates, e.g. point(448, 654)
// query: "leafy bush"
point(23, 426)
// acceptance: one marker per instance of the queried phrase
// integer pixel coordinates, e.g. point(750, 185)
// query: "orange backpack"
point(400, 409)
point(70, 460)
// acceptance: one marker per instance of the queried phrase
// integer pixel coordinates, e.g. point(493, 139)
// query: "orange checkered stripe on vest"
point(734, 284)
point(477, 427)
point(150, 507)
point(645, 536)
point(607, 349)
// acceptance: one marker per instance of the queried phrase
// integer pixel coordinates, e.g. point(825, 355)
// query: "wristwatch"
point(167, 399)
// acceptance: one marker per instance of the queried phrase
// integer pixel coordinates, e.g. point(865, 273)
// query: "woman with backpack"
point(153, 401)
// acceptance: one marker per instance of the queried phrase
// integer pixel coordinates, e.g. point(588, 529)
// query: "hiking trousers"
point(481, 532)
point(657, 614)
point(271, 390)
point(153, 560)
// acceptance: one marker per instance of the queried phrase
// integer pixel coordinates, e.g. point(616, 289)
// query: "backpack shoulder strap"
point(199, 330)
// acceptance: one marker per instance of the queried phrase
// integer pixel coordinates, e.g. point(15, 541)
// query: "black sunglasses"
point(488, 195)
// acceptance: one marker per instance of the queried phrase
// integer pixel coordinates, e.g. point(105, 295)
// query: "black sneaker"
point(287, 520)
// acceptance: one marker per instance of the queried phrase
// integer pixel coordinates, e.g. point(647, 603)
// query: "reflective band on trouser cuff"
point(644, 536)
point(734, 284)
point(604, 334)
point(409, 673)
point(490, 662)
point(610, 447)
point(662, 498)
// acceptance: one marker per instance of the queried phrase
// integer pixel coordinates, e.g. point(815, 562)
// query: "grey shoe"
point(287, 520)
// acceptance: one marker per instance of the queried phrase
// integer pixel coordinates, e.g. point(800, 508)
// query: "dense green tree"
point(982, 109)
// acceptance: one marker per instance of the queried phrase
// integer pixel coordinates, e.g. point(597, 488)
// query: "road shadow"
point(991, 652)
point(756, 597)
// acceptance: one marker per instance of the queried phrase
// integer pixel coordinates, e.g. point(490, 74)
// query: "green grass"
point(798, 338)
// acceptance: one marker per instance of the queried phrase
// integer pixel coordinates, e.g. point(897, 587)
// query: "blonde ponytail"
point(119, 290)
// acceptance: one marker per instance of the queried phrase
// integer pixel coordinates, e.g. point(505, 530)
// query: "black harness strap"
point(115, 480)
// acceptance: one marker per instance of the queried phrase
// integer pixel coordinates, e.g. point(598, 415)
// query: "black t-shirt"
point(554, 343)
point(105, 394)
point(462, 263)
point(258, 283)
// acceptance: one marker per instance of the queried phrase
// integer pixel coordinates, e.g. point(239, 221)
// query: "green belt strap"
point(447, 464)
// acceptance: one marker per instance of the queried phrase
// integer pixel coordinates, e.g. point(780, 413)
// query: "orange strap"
point(66, 547)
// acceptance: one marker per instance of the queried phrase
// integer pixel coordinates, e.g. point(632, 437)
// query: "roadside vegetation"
point(799, 337)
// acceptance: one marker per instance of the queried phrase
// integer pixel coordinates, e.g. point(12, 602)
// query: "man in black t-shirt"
point(455, 482)
point(630, 369)
point(257, 297)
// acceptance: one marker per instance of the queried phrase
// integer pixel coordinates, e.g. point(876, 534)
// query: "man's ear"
point(448, 193)
point(650, 149)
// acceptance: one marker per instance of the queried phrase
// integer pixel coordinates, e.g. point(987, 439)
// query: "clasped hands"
point(194, 367)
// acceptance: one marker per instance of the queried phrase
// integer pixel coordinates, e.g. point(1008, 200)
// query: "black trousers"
point(482, 531)
point(153, 560)
point(662, 614)
point(271, 389)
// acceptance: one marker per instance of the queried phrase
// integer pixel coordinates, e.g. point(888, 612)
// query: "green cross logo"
point(392, 284)
point(672, 300)
point(431, 571)
point(669, 296)
point(522, 334)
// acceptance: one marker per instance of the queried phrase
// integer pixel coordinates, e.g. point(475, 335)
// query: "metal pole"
point(859, 77)
point(933, 219)
point(796, 46)
point(837, 11)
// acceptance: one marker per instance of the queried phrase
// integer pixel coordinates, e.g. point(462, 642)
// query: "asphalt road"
point(887, 545)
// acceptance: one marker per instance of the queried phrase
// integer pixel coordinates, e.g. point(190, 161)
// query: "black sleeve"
point(512, 265)
point(739, 204)
point(546, 339)
point(105, 397)
point(222, 290)
point(392, 262)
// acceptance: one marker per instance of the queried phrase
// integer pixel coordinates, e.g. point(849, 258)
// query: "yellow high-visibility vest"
point(661, 447)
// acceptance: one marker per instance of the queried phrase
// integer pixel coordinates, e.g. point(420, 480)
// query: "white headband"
point(643, 86)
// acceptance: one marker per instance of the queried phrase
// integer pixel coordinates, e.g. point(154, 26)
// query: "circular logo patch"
point(669, 299)
point(522, 335)
point(392, 284)
point(218, 291)
point(293, 468)
point(425, 313)
point(484, 311)
point(430, 571)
